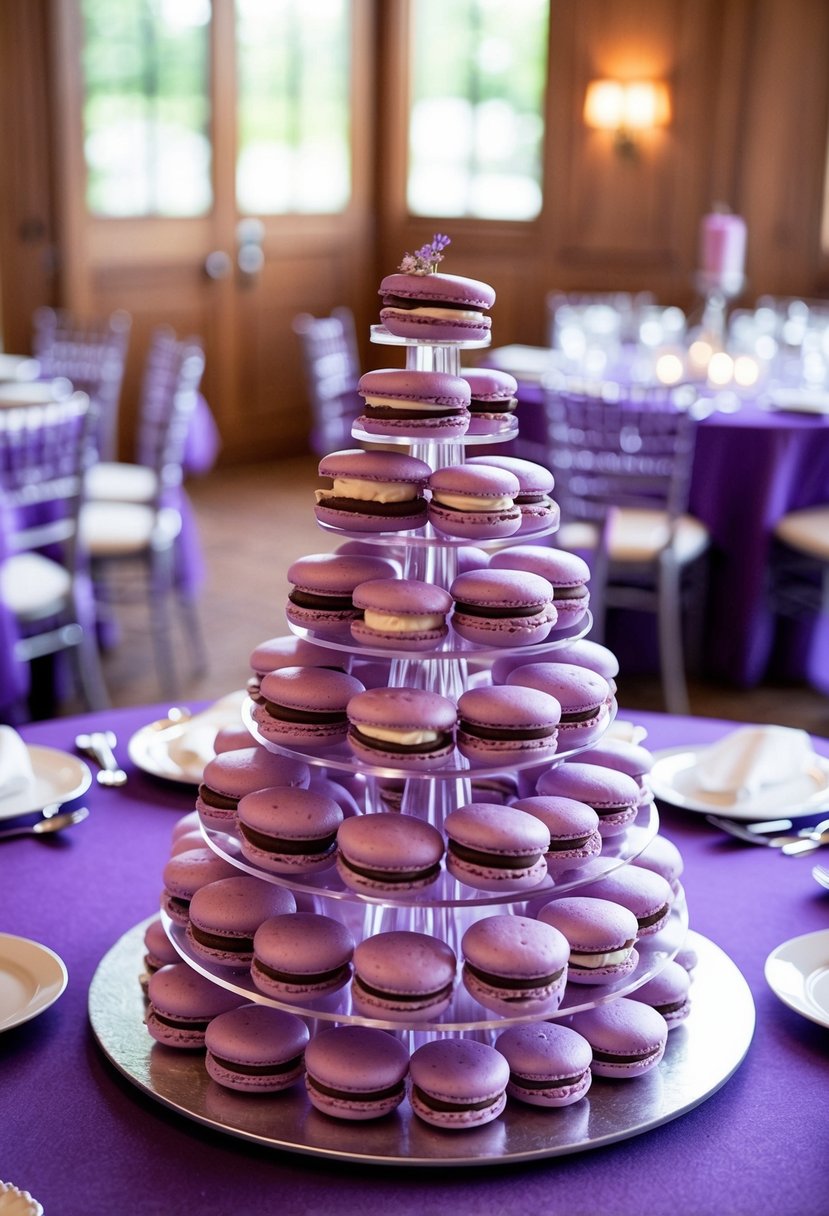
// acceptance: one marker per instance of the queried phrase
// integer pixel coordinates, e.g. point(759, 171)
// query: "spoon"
point(99, 745)
point(44, 827)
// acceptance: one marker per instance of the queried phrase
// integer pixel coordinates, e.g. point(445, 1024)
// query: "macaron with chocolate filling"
point(457, 1084)
point(435, 307)
point(255, 1049)
point(405, 613)
point(413, 403)
point(182, 876)
point(507, 725)
point(231, 775)
point(158, 951)
point(305, 706)
point(471, 501)
point(289, 831)
point(321, 596)
point(662, 857)
point(568, 574)
point(301, 956)
point(182, 1004)
point(387, 852)
point(355, 1072)
point(648, 896)
point(627, 757)
point(495, 848)
point(601, 936)
point(493, 399)
point(614, 796)
point(290, 651)
point(514, 964)
point(402, 976)
point(573, 828)
point(627, 1037)
point(502, 607)
point(402, 727)
point(584, 697)
point(549, 1063)
point(586, 653)
point(538, 510)
point(224, 916)
point(668, 992)
point(373, 491)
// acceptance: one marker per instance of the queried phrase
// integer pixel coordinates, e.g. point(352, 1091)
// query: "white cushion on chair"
point(117, 481)
point(577, 536)
point(33, 587)
point(637, 535)
point(806, 530)
point(120, 529)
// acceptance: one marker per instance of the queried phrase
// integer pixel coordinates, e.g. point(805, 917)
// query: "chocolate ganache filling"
point(519, 983)
point(259, 1070)
point(278, 844)
point(365, 506)
point(493, 610)
point(499, 861)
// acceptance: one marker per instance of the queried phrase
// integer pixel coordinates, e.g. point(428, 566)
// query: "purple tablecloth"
point(750, 468)
point(86, 1142)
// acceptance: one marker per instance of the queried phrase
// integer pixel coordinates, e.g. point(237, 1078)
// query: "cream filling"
point(471, 502)
point(369, 491)
point(402, 624)
point(454, 313)
point(407, 738)
point(396, 403)
point(610, 959)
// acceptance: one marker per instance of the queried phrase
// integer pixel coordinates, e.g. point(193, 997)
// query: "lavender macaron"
point(388, 853)
point(225, 914)
point(614, 796)
point(493, 399)
point(355, 1072)
point(404, 613)
point(402, 727)
point(627, 1037)
point(549, 1063)
point(256, 1050)
point(648, 896)
point(601, 935)
point(535, 485)
point(232, 775)
point(587, 653)
point(305, 706)
point(289, 831)
point(290, 651)
point(662, 857)
point(507, 725)
point(584, 697)
point(515, 965)
point(573, 828)
point(457, 1084)
point(182, 1003)
point(323, 585)
point(158, 951)
point(402, 976)
point(417, 302)
point(568, 574)
point(495, 848)
point(502, 608)
point(301, 956)
point(413, 403)
point(373, 491)
point(668, 992)
point(474, 501)
point(184, 873)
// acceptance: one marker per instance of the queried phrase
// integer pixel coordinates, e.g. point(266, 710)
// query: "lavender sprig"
point(426, 259)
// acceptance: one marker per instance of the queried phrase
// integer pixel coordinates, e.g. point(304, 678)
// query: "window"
point(476, 111)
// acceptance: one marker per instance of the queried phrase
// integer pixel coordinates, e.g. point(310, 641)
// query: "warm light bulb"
point(746, 371)
point(720, 368)
point(669, 369)
point(699, 354)
point(604, 104)
point(640, 106)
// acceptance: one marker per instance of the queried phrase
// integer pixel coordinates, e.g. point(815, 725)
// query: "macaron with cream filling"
point(627, 1037)
point(567, 573)
point(321, 595)
point(414, 403)
point(373, 491)
point(404, 613)
point(472, 501)
point(418, 302)
point(601, 935)
point(507, 725)
point(538, 510)
point(402, 727)
point(493, 399)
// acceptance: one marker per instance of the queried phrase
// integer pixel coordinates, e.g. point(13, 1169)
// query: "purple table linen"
point(86, 1142)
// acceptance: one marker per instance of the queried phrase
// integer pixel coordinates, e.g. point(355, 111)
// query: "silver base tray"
point(700, 1057)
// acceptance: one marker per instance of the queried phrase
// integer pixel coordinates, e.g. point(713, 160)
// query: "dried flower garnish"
point(426, 259)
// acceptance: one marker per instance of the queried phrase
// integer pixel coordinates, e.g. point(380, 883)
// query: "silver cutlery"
point(803, 840)
point(46, 827)
point(821, 875)
point(98, 746)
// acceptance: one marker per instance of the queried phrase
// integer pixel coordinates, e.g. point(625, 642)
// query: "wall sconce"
point(625, 107)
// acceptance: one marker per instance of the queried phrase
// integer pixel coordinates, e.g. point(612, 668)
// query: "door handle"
point(250, 256)
point(217, 264)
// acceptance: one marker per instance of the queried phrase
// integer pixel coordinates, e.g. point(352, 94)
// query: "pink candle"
point(722, 245)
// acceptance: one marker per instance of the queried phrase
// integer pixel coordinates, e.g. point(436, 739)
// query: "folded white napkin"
point(194, 745)
point(752, 758)
point(16, 773)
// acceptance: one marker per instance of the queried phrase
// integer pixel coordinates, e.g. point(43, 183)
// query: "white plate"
point(32, 977)
point(799, 400)
point(158, 748)
point(798, 973)
point(58, 777)
point(673, 780)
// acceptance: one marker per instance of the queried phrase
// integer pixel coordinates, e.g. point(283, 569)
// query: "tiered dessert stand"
point(700, 1056)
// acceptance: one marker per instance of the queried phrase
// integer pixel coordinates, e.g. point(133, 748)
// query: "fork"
point(792, 843)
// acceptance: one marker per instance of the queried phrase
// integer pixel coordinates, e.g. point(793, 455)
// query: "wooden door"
point(223, 270)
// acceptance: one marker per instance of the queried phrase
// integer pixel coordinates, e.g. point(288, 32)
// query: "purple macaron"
point(388, 852)
point(567, 573)
point(502, 607)
point(373, 491)
point(493, 399)
point(584, 697)
point(549, 1063)
point(627, 757)
point(474, 501)
point(256, 1050)
point(305, 706)
point(627, 1037)
point(614, 796)
point(668, 992)
point(507, 725)
point(402, 976)
point(601, 936)
point(586, 653)
point(323, 585)
point(301, 956)
point(435, 307)
point(184, 873)
point(663, 858)
point(405, 613)
point(159, 951)
point(458, 1084)
point(402, 727)
point(224, 916)
point(515, 965)
point(495, 848)
point(648, 896)
point(182, 1003)
point(535, 482)
point(355, 1072)
point(413, 403)
point(573, 827)
point(289, 831)
point(232, 775)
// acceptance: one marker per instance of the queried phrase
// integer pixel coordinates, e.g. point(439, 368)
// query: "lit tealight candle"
point(669, 369)
point(699, 355)
point(746, 371)
point(720, 368)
